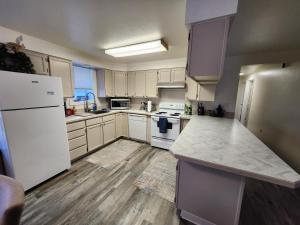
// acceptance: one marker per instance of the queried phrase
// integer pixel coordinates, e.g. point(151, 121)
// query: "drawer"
point(94, 121)
point(77, 152)
point(109, 117)
point(76, 133)
point(75, 126)
point(77, 142)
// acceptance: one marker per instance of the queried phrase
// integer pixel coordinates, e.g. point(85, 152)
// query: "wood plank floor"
point(104, 191)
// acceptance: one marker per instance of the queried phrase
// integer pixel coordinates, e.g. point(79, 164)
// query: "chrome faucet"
point(86, 105)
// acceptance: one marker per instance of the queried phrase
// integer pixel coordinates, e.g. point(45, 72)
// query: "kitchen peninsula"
point(215, 155)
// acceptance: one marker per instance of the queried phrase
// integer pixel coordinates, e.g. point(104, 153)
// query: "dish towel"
point(163, 125)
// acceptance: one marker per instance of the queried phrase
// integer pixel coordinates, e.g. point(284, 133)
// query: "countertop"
point(225, 144)
point(86, 116)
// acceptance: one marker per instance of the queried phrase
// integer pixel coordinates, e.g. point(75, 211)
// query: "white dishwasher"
point(137, 127)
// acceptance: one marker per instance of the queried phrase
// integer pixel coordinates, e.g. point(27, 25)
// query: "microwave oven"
point(120, 103)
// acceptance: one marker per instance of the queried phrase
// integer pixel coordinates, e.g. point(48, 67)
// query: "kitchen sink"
point(99, 111)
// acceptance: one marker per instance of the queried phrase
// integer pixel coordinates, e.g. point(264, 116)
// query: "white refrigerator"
point(33, 132)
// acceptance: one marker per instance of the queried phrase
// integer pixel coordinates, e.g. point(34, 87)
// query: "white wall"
point(168, 63)
point(274, 114)
point(226, 91)
point(39, 45)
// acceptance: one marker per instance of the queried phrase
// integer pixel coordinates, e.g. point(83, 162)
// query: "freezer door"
point(19, 91)
point(34, 144)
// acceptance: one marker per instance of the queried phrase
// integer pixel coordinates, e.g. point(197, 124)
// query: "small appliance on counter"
point(150, 106)
point(120, 103)
point(218, 112)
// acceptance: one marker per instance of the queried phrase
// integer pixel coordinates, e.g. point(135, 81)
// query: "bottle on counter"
point(201, 109)
point(190, 109)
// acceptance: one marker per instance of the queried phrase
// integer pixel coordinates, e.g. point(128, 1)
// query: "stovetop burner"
point(159, 113)
point(175, 114)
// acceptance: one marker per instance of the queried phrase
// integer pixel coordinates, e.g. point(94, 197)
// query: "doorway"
point(246, 102)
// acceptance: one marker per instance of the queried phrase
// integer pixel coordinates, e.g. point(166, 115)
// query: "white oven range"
point(172, 112)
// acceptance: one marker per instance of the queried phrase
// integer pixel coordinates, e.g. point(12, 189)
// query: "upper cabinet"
point(131, 84)
point(200, 92)
point(62, 68)
point(105, 81)
point(207, 46)
point(40, 62)
point(178, 75)
point(151, 82)
point(164, 76)
point(191, 89)
point(140, 84)
point(206, 92)
point(171, 76)
point(120, 82)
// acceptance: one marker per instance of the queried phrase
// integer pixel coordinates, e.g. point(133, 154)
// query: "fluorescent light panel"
point(138, 49)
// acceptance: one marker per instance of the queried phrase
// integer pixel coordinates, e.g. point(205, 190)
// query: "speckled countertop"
point(225, 144)
point(86, 116)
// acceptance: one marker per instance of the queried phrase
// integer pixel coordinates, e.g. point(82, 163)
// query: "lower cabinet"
point(94, 136)
point(77, 139)
point(109, 131)
point(122, 125)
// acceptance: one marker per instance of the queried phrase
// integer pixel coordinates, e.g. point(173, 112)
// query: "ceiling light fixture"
point(138, 49)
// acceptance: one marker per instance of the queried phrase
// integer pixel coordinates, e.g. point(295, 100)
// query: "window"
point(83, 83)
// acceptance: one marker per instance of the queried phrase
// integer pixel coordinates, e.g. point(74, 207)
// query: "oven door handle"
point(170, 120)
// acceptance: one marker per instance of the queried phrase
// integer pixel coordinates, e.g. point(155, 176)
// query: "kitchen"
point(105, 134)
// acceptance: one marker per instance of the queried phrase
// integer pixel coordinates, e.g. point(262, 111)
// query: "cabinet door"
point(40, 62)
point(109, 131)
point(94, 137)
point(151, 82)
point(207, 45)
point(206, 92)
point(178, 75)
point(120, 83)
point(131, 84)
point(140, 84)
point(109, 83)
point(125, 124)
point(149, 129)
point(62, 68)
point(192, 89)
point(164, 76)
point(119, 125)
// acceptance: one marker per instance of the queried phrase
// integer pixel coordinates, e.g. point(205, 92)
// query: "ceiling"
point(94, 25)
point(265, 26)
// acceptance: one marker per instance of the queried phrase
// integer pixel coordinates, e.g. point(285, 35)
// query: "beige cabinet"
point(121, 125)
point(131, 84)
point(125, 126)
point(105, 83)
point(207, 46)
point(170, 76)
point(120, 82)
point(206, 92)
point(77, 139)
point(40, 62)
point(140, 84)
point(191, 89)
point(94, 136)
point(164, 76)
point(109, 131)
point(62, 68)
point(178, 75)
point(148, 129)
point(151, 82)
point(183, 123)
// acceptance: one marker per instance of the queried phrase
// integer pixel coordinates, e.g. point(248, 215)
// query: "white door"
point(140, 84)
point(247, 102)
point(37, 144)
point(138, 127)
